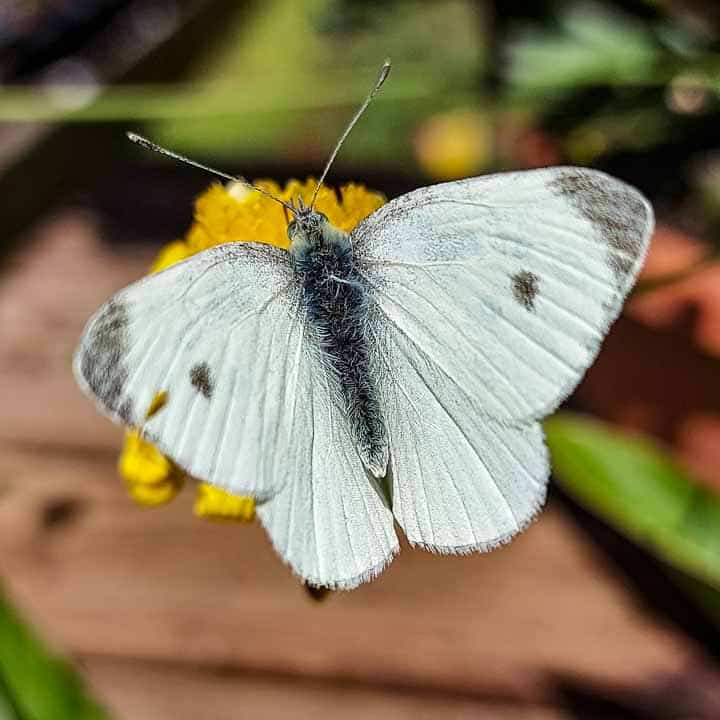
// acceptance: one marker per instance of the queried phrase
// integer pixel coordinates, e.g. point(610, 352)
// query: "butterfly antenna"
point(149, 145)
point(381, 78)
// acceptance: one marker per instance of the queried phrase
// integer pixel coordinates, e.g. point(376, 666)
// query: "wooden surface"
point(169, 616)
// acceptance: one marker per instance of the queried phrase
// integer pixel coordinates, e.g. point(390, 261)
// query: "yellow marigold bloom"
point(151, 478)
point(216, 504)
point(229, 214)
point(173, 252)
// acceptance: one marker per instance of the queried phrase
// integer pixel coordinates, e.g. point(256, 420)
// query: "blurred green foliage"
point(35, 684)
point(589, 45)
point(635, 486)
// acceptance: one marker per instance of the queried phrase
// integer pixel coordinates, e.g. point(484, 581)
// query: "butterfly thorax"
point(336, 306)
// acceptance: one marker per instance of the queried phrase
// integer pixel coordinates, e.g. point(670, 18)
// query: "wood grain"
point(144, 692)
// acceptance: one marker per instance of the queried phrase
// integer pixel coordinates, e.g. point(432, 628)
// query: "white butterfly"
point(398, 373)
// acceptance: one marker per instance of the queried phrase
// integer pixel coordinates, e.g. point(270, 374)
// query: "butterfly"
point(394, 374)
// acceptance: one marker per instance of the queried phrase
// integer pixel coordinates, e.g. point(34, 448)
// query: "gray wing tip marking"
point(125, 411)
point(621, 215)
point(100, 361)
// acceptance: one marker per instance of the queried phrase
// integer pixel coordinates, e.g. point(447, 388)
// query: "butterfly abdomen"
point(336, 303)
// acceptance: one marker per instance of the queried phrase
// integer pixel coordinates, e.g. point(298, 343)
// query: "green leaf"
point(592, 46)
point(635, 486)
point(7, 710)
point(34, 684)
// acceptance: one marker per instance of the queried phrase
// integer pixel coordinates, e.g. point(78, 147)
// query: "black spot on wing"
point(103, 359)
point(201, 379)
point(525, 287)
point(616, 211)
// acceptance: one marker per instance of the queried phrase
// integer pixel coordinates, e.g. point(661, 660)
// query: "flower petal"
point(151, 478)
point(215, 504)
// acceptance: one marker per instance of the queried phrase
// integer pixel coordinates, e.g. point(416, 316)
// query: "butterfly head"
point(307, 222)
point(311, 230)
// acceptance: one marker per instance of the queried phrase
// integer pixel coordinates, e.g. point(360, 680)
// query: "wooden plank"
point(46, 296)
point(144, 691)
point(114, 578)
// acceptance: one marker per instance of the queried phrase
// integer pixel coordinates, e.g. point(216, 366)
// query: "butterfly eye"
point(291, 228)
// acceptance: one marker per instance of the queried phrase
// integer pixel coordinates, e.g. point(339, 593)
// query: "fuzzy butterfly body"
point(336, 302)
point(395, 374)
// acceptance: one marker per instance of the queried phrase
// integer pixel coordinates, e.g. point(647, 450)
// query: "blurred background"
point(608, 607)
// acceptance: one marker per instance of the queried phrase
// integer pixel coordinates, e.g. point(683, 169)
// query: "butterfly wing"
point(461, 482)
point(249, 408)
point(222, 334)
point(490, 298)
point(508, 282)
point(330, 523)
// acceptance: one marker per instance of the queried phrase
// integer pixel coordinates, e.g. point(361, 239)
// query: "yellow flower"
point(455, 144)
point(229, 214)
point(151, 478)
point(216, 504)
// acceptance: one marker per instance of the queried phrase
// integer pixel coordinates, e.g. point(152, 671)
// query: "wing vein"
point(399, 387)
point(497, 372)
point(462, 431)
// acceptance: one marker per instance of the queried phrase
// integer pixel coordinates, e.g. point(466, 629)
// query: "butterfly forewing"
point(221, 334)
point(507, 283)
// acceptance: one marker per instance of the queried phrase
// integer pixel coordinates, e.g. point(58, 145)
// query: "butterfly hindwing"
point(330, 523)
point(461, 482)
